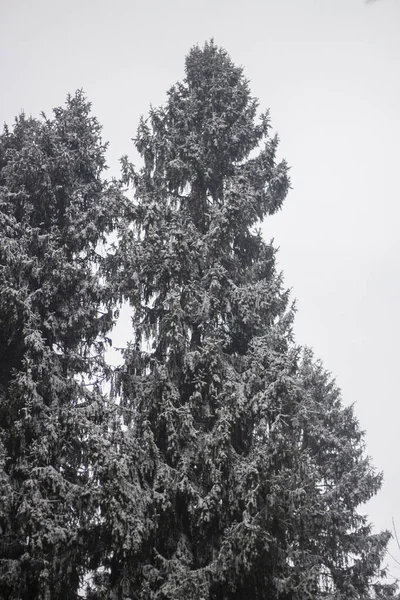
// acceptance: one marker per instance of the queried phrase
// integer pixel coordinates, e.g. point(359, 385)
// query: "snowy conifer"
point(248, 470)
point(55, 210)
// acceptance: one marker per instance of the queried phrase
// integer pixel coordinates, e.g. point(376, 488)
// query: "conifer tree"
point(246, 469)
point(55, 210)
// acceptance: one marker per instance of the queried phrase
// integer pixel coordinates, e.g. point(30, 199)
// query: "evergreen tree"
point(55, 210)
point(246, 471)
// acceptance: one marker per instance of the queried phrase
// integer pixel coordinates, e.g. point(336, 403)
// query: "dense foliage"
point(250, 469)
point(55, 210)
point(221, 463)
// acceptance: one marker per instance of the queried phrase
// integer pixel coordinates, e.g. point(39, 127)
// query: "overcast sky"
point(329, 72)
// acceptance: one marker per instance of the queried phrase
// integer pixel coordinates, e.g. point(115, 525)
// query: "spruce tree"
point(55, 210)
point(247, 471)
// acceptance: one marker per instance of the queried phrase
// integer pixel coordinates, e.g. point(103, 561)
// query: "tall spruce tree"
point(246, 469)
point(55, 210)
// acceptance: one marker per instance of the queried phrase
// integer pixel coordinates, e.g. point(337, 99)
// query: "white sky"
point(329, 72)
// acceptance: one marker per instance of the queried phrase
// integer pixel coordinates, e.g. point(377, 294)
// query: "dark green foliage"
point(55, 210)
point(248, 470)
